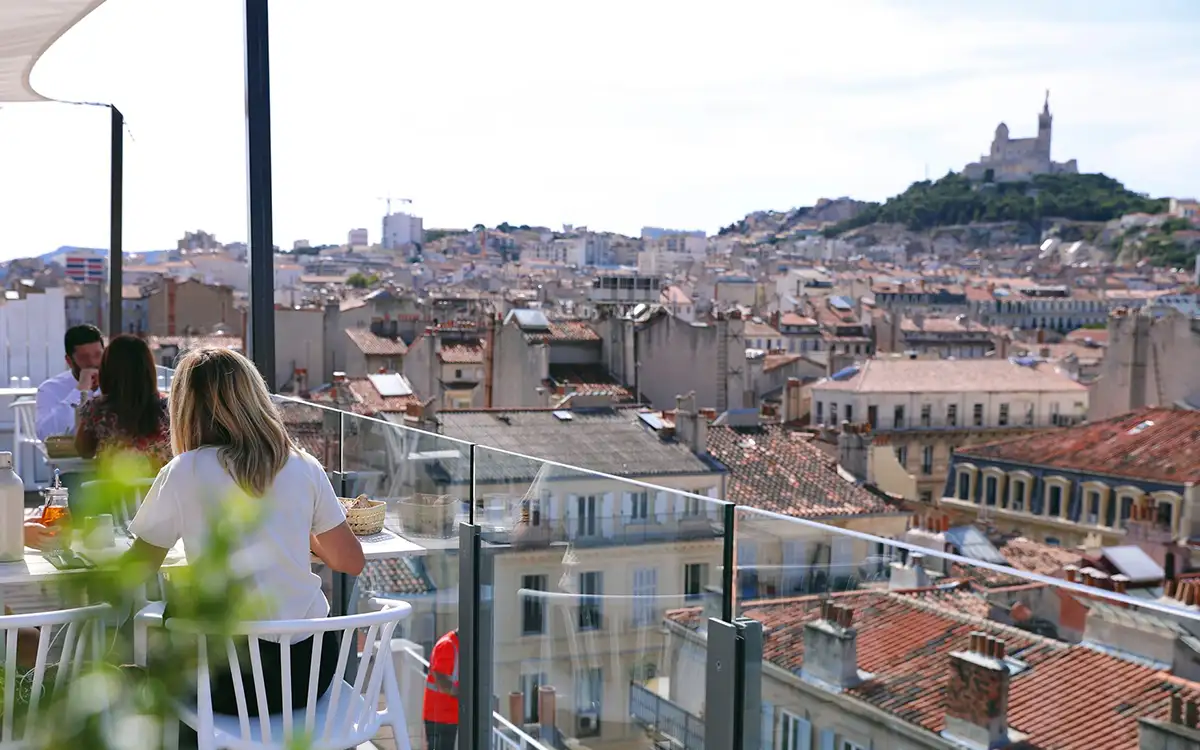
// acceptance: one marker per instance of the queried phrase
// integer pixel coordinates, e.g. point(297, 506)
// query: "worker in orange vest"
point(440, 710)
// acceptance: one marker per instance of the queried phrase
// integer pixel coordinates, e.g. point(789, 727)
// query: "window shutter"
point(767, 731)
point(607, 512)
point(571, 516)
point(828, 740)
point(660, 507)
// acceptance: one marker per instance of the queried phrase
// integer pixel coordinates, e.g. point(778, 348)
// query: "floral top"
point(96, 418)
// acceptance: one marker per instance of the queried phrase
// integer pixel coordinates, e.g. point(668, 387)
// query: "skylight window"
point(1142, 427)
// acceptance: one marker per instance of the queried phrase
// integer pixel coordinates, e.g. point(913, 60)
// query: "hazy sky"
point(614, 115)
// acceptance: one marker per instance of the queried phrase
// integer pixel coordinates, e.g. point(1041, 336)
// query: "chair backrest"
point(25, 414)
point(80, 631)
point(121, 499)
point(346, 717)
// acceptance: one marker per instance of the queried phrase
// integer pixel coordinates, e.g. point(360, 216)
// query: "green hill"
point(956, 200)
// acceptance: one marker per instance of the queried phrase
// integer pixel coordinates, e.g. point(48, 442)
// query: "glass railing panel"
point(314, 427)
point(585, 567)
point(876, 642)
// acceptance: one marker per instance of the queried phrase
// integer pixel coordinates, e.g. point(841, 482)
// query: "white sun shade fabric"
point(27, 29)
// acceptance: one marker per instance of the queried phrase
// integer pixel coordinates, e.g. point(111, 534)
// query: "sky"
point(611, 115)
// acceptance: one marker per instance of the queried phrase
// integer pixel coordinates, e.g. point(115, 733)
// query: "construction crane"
point(388, 200)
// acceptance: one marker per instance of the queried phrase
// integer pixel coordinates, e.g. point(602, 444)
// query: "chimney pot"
point(516, 708)
point(1191, 714)
point(547, 709)
point(1169, 589)
point(1176, 709)
point(846, 617)
point(1000, 649)
point(1072, 572)
point(1119, 582)
point(976, 643)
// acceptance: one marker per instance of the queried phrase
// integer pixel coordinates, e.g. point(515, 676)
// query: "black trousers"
point(440, 736)
point(224, 699)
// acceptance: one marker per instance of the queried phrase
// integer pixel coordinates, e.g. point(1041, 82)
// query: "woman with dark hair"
point(129, 415)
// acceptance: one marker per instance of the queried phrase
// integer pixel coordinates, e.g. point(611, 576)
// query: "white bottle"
point(12, 511)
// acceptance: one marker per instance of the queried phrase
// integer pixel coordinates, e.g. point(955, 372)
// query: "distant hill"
point(955, 200)
point(782, 222)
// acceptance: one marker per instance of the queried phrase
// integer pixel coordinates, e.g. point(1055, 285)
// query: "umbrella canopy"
point(27, 29)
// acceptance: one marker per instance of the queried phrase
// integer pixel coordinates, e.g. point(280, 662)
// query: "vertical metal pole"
point(751, 632)
point(728, 562)
point(258, 186)
point(722, 715)
point(116, 209)
point(475, 673)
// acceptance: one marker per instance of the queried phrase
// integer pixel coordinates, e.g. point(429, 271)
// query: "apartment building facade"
point(926, 409)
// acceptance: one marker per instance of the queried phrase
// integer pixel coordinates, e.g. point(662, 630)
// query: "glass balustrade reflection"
point(585, 567)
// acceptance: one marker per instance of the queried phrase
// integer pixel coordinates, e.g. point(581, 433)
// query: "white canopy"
point(27, 29)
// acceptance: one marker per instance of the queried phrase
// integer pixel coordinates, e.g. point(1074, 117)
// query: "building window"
point(1055, 492)
point(695, 579)
point(1003, 421)
point(1029, 416)
point(589, 690)
point(872, 415)
point(691, 507)
point(1093, 508)
point(794, 733)
point(591, 586)
point(952, 415)
point(458, 374)
point(645, 595)
point(927, 460)
point(898, 417)
point(902, 455)
point(964, 485)
point(533, 606)
point(990, 487)
point(926, 496)
point(585, 519)
point(1019, 491)
point(1165, 514)
point(848, 745)
point(820, 412)
point(926, 415)
point(639, 503)
point(1126, 510)
point(977, 415)
point(833, 412)
point(850, 413)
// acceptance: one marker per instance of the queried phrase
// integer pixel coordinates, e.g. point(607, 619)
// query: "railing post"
point(475, 640)
point(261, 345)
point(116, 211)
point(733, 685)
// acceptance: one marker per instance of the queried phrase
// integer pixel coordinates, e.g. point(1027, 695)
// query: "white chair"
point(81, 633)
point(347, 715)
point(25, 432)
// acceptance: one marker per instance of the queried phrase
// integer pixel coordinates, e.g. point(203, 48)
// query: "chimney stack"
point(547, 716)
point(977, 693)
point(831, 648)
point(1178, 730)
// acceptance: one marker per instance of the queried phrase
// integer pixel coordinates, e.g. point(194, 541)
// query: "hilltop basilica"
point(1017, 159)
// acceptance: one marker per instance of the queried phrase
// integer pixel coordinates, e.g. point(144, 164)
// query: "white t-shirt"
point(191, 493)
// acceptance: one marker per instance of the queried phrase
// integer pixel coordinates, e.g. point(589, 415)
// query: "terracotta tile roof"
point(394, 576)
point(953, 599)
point(369, 401)
point(775, 470)
point(944, 376)
point(564, 331)
point(188, 343)
point(1070, 697)
point(461, 354)
point(793, 319)
point(775, 361)
point(1154, 444)
point(372, 344)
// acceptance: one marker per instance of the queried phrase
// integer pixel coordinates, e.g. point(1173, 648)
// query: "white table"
point(35, 568)
point(385, 545)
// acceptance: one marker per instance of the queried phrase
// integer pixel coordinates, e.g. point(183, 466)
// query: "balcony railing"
point(638, 680)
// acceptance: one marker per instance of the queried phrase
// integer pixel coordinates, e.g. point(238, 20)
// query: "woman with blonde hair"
point(231, 446)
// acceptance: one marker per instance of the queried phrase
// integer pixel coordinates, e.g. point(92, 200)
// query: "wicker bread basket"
point(366, 521)
point(61, 446)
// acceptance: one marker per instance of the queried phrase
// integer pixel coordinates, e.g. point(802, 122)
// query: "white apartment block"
point(400, 229)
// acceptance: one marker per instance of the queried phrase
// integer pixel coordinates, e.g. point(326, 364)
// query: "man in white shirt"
point(61, 395)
